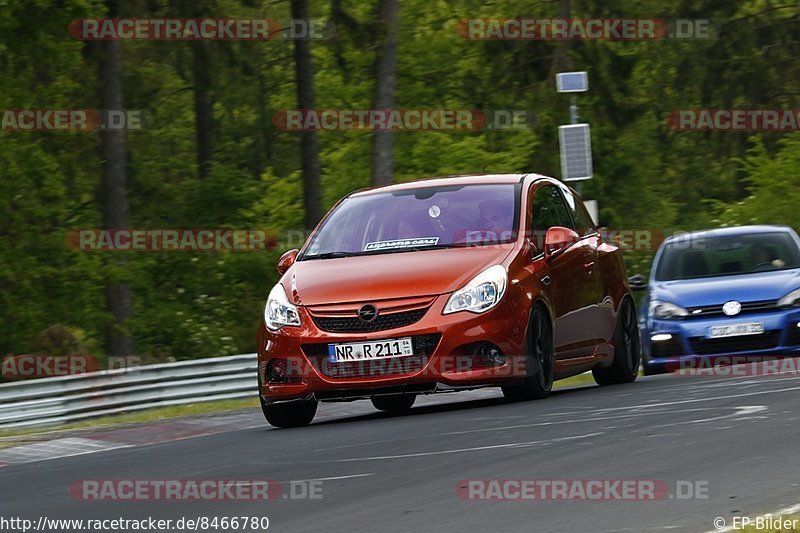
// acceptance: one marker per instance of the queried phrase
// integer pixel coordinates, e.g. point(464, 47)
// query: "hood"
point(385, 276)
point(715, 291)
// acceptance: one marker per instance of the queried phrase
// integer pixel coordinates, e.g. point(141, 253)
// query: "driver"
point(762, 255)
point(495, 219)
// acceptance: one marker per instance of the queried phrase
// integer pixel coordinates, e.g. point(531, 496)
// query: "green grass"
point(160, 413)
point(580, 379)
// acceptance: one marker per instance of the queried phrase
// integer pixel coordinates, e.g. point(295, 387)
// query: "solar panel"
point(572, 82)
point(575, 145)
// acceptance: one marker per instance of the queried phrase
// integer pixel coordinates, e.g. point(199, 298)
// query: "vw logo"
point(367, 313)
point(732, 308)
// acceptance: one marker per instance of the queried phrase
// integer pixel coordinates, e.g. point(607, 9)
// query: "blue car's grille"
point(728, 345)
point(670, 348)
point(747, 307)
point(793, 337)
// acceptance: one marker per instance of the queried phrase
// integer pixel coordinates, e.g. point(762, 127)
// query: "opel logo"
point(732, 308)
point(367, 313)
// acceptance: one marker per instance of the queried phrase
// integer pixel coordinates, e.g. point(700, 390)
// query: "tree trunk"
point(114, 194)
point(385, 80)
point(309, 148)
point(203, 110)
point(563, 61)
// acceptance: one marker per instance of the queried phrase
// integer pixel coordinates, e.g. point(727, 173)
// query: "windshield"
point(729, 255)
point(424, 217)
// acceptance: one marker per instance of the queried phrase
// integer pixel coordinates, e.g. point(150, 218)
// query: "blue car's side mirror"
point(637, 282)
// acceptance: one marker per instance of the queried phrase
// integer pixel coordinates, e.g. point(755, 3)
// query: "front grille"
point(743, 343)
point(670, 348)
point(793, 336)
point(747, 307)
point(356, 325)
point(424, 346)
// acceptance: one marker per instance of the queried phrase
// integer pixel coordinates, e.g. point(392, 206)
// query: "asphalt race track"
point(736, 436)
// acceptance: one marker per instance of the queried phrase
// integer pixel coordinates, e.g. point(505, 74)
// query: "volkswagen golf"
point(445, 284)
point(720, 293)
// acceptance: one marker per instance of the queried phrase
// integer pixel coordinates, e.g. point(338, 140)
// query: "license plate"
point(366, 351)
point(735, 330)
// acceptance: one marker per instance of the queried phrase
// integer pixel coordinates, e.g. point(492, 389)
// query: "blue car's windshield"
point(424, 217)
point(728, 255)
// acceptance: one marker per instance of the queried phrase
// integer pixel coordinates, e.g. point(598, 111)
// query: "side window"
point(549, 210)
point(583, 220)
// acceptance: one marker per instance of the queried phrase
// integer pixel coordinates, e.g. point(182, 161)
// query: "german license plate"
point(735, 330)
point(366, 351)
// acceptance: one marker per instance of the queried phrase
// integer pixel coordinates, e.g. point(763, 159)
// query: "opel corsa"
point(440, 285)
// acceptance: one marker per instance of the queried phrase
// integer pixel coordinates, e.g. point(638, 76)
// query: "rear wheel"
point(627, 350)
point(539, 359)
point(394, 403)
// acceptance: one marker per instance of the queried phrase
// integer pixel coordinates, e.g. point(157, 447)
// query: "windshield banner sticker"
point(401, 243)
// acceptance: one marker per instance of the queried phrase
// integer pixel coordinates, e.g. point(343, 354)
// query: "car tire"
point(539, 357)
point(394, 403)
point(288, 414)
point(627, 350)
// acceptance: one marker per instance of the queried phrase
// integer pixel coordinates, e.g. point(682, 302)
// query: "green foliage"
point(190, 305)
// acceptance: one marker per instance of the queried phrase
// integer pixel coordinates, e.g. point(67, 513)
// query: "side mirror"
point(637, 282)
point(287, 260)
point(557, 239)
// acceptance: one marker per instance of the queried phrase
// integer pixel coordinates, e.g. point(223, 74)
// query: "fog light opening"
point(487, 354)
point(277, 371)
point(660, 337)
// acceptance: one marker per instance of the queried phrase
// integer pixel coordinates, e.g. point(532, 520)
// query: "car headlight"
point(481, 294)
point(279, 311)
point(790, 300)
point(666, 310)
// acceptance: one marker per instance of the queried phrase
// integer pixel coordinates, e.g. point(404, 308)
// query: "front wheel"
point(627, 350)
point(539, 359)
point(289, 414)
point(394, 403)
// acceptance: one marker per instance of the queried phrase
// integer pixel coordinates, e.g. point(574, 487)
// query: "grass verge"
point(159, 413)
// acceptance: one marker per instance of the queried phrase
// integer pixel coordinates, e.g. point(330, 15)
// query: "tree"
point(114, 194)
point(309, 147)
point(385, 76)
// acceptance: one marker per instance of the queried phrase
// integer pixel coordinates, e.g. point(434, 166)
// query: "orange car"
point(440, 285)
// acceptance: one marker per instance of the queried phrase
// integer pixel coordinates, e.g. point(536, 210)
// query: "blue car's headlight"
point(790, 300)
point(666, 310)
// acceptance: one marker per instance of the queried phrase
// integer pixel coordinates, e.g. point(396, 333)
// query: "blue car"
point(724, 292)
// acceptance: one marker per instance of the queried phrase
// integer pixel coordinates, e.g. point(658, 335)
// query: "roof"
point(483, 179)
point(722, 232)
